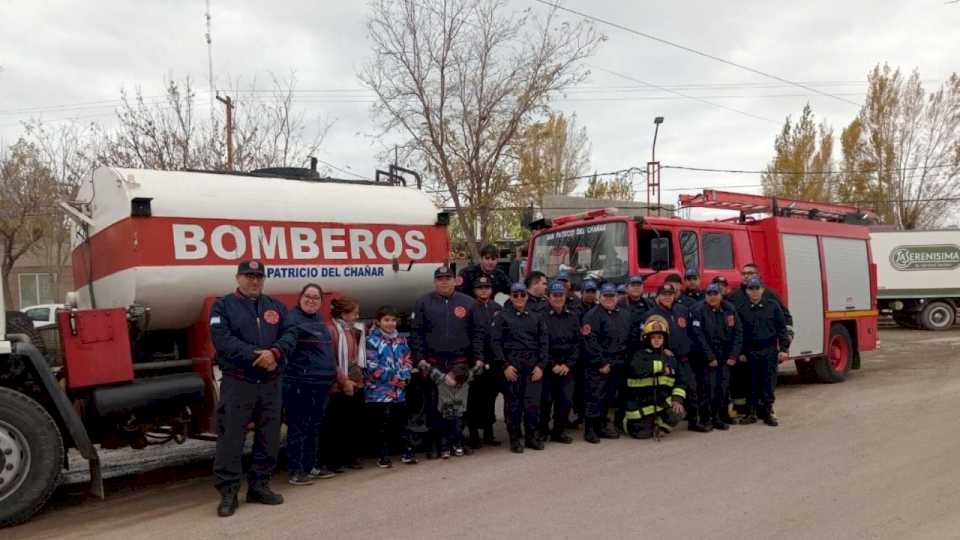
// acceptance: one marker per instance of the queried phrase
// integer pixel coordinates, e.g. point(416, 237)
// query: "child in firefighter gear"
point(563, 326)
point(765, 344)
point(482, 399)
point(605, 331)
point(453, 388)
point(520, 342)
point(252, 336)
point(654, 387)
point(677, 317)
point(718, 337)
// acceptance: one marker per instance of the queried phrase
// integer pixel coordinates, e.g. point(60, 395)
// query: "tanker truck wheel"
point(31, 457)
point(938, 316)
point(835, 365)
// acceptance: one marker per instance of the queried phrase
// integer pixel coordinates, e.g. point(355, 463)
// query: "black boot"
point(264, 495)
point(590, 431)
point(533, 441)
point(719, 424)
point(605, 430)
point(488, 439)
point(473, 441)
point(516, 445)
point(561, 437)
point(228, 503)
point(769, 418)
point(749, 418)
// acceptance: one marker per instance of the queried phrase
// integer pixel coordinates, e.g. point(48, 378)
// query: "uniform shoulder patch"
point(682, 322)
point(460, 312)
point(271, 316)
point(585, 330)
point(731, 320)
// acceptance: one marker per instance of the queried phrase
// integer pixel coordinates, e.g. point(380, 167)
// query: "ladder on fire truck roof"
point(748, 204)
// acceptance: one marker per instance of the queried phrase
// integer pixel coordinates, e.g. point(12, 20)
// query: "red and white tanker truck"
point(152, 251)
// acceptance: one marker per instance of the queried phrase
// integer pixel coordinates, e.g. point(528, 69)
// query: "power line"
point(694, 51)
point(345, 171)
point(803, 173)
point(688, 96)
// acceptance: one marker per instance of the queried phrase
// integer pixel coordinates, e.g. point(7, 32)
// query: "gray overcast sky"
point(70, 59)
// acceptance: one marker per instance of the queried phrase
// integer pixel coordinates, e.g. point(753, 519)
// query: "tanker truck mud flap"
point(65, 416)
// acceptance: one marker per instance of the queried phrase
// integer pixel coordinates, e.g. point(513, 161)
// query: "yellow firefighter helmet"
point(656, 324)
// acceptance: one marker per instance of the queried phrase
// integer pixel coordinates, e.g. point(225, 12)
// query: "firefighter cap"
point(442, 272)
point(481, 282)
point(562, 276)
point(251, 267)
point(590, 285)
point(667, 288)
point(692, 273)
point(518, 287)
point(557, 287)
point(608, 289)
point(635, 279)
point(753, 282)
point(713, 288)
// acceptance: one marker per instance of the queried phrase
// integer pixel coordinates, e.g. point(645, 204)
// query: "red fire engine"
point(815, 255)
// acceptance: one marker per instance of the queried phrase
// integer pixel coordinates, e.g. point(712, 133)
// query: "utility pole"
point(653, 169)
point(228, 103)
point(209, 38)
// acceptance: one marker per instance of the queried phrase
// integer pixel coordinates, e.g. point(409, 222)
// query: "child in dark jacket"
point(388, 369)
point(452, 390)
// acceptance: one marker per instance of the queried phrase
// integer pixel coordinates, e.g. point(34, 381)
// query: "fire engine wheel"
point(835, 365)
point(31, 457)
point(937, 316)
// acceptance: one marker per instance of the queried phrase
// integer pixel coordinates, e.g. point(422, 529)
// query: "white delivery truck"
point(918, 276)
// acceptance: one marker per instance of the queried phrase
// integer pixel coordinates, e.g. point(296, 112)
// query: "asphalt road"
point(875, 457)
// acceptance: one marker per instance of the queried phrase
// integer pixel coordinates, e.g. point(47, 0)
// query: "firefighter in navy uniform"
point(444, 332)
point(482, 396)
point(588, 301)
point(605, 331)
point(251, 336)
point(520, 342)
point(718, 336)
point(692, 294)
point(574, 303)
point(634, 300)
point(678, 318)
point(563, 327)
point(487, 267)
point(654, 388)
point(740, 374)
point(588, 296)
point(765, 344)
point(536, 284)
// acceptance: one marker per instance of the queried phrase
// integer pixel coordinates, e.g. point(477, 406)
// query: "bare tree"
point(29, 192)
point(268, 130)
point(909, 141)
point(459, 78)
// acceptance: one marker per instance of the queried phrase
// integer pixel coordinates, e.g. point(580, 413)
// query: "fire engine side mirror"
point(659, 253)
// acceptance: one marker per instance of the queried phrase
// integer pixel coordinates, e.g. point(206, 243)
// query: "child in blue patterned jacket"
point(388, 369)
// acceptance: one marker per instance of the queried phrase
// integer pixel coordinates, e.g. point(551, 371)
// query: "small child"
point(388, 369)
point(452, 390)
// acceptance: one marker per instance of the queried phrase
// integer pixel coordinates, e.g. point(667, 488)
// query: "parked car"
point(42, 314)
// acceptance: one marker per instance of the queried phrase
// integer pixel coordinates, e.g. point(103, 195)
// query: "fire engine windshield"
point(598, 250)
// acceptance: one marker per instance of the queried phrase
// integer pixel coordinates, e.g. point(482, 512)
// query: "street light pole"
point(653, 169)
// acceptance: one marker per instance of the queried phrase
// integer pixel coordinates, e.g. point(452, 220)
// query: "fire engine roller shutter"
point(804, 293)
point(848, 274)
